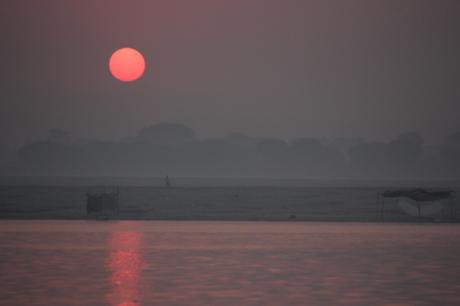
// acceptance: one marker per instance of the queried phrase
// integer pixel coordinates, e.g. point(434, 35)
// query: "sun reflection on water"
point(125, 263)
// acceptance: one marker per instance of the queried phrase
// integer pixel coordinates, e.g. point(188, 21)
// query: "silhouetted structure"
point(102, 205)
point(417, 196)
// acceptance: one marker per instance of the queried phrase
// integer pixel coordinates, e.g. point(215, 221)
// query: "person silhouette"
point(167, 182)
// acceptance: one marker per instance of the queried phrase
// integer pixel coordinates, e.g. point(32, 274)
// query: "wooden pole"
point(377, 204)
point(383, 210)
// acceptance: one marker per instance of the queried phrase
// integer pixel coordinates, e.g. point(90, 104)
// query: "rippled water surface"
point(134, 263)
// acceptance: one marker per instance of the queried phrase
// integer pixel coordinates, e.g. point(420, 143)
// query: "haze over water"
point(133, 263)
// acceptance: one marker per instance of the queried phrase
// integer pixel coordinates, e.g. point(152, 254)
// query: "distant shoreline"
point(231, 203)
point(408, 221)
point(207, 182)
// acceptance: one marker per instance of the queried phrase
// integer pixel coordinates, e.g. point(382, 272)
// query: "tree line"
point(174, 149)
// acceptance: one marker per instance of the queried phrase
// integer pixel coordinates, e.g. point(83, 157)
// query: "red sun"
point(127, 64)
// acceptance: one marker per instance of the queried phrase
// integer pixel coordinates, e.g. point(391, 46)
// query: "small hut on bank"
point(102, 205)
point(418, 202)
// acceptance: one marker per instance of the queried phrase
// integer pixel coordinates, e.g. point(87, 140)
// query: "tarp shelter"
point(102, 204)
point(411, 201)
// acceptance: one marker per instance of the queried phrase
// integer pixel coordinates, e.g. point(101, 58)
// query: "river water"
point(133, 263)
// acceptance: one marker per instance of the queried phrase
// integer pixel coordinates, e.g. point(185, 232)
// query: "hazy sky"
point(285, 68)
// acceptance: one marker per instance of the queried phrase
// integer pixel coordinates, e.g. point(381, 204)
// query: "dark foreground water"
point(133, 263)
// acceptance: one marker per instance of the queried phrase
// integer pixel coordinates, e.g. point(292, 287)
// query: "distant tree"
point(453, 139)
point(398, 158)
point(59, 135)
point(272, 146)
point(450, 155)
point(167, 133)
point(272, 157)
point(307, 147)
point(368, 158)
point(406, 148)
point(241, 140)
point(47, 156)
point(313, 158)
